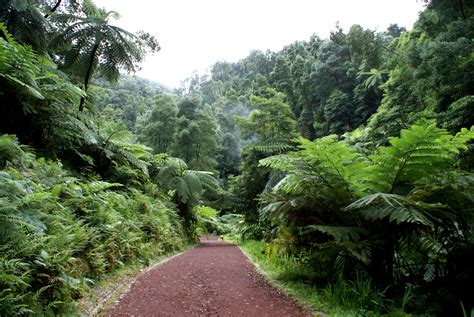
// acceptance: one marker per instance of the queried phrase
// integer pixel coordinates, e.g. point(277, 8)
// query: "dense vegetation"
point(347, 162)
point(83, 198)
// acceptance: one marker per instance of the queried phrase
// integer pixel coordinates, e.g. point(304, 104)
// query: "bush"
point(58, 233)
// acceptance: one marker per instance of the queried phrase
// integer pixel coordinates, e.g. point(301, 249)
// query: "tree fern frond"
point(273, 148)
point(165, 175)
point(177, 163)
point(339, 233)
point(90, 9)
point(284, 162)
point(129, 157)
point(208, 181)
point(420, 152)
point(193, 182)
point(182, 189)
point(7, 35)
point(27, 89)
point(337, 157)
point(394, 208)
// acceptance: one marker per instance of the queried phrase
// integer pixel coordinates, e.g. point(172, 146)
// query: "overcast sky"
point(195, 34)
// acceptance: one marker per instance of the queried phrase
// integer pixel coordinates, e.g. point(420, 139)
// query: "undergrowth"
point(60, 233)
point(338, 298)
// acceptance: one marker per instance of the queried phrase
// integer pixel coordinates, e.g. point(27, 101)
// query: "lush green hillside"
point(348, 159)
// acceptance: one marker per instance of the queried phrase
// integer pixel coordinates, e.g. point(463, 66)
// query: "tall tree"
point(270, 119)
point(94, 44)
point(160, 128)
point(338, 112)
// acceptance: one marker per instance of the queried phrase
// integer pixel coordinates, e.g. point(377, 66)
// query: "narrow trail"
point(213, 279)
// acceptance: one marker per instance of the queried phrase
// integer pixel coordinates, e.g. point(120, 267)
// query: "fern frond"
point(339, 234)
point(128, 157)
point(283, 162)
point(420, 152)
point(181, 188)
point(97, 186)
point(7, 35)
point(193, 182)
point(394, 208)
point(208, 181)
point(337, 157)
point(272, 148)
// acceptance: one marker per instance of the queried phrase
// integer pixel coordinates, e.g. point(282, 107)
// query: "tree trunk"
point(88, 75)
point(381, 266)
point(186, 214)
point(56, 6)
point(461, 7)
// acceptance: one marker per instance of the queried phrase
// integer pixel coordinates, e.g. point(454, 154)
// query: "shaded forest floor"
point(213, 279)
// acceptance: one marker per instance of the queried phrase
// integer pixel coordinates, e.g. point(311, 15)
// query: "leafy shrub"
point(58, 233)
point(400, 215)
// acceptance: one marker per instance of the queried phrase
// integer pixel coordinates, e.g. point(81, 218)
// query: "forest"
point(345, 164)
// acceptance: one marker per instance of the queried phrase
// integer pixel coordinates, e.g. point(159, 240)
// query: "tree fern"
point(185, 187)
point(402, 201)
point(420, 152)
point(339, 233)
point(97, 45)
point(395, 208)
point(272, 148)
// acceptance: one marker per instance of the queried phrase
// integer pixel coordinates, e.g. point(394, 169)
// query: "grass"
point(340, 298)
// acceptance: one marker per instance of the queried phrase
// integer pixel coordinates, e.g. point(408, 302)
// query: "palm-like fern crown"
point(186, 185)
point(94, 43)
point(325, 161)
point(326, 172)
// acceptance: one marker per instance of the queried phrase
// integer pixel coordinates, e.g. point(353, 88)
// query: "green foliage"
point(387, 207)
point(337, 112)
point(58, 232)
point(93, 44)
point(130, 100)
point(295, 274)
point(270, 119)
point(356, 298)
point(209, 222)
point(26, 22)
point(18, 67)
point(185, 187)
point(427, 73)
point(370, 211)
point(160, 128)
point(421, 151)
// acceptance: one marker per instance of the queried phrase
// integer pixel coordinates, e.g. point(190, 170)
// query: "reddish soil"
point(213, 279)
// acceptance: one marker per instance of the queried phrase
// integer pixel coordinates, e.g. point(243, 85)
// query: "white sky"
point(194, 34)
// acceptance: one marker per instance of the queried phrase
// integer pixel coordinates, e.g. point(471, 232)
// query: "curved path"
point(213, 279)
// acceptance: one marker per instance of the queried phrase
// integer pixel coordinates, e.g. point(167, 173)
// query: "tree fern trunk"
point(186, 214)
point(461, 7)
point(89, 74)
point(381, 267)
point(53, 9)
point(11, 21)
point(389, 250)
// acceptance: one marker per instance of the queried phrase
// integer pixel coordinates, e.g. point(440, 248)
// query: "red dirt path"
point(213, 279)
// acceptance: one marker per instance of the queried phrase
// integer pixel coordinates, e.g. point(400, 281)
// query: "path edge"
point(280, 287)
point(116, 295)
